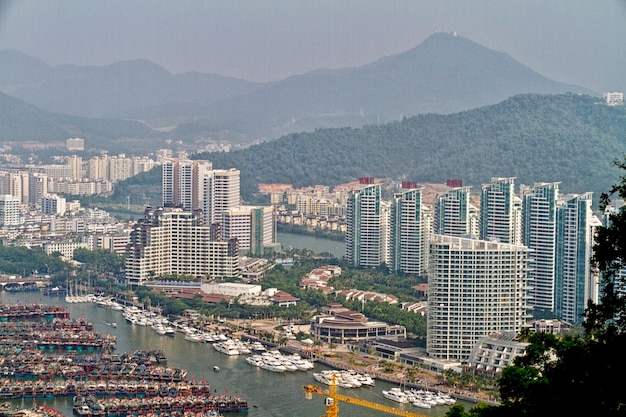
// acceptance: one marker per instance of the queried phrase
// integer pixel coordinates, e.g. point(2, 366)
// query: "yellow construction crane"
point(332, 399)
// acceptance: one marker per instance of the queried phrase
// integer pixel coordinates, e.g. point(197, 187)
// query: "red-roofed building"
point(283, 299)
point(421, 290)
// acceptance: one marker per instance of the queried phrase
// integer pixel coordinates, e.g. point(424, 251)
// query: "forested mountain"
point(568, 138)
point(20, 122)
point(444, 74)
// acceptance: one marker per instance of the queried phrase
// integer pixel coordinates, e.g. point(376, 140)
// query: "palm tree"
point(411, 374)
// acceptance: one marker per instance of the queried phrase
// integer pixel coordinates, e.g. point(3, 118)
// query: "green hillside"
point(568, 138)
point(20, 121)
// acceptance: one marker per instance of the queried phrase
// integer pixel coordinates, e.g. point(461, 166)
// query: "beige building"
point(174, 241)
point(340, 325)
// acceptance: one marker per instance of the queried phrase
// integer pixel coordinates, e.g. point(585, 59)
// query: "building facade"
point(53, 204)
point(221, 192)
point(576, 281)
point(500, 216)
point(174, 241)
point(475, 288)
point(363, 225)
point(182, 183)
point(539, 235)
point(253, 226)
point(453, 213)
point(409, 236)
point(9, 210)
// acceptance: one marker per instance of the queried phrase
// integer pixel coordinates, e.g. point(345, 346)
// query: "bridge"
point(23, 281)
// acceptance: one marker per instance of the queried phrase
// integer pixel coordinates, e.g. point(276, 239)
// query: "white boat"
point(421, 404)
point(257, 347)
point(159, 329)
point(242, 348)
point(302, 364)
point(193, 337)
point(272, 365)
point(396, 394)
point(327, 377)
point(226, 348)
point(288, 365)
point(320, 377)
point(254, 360)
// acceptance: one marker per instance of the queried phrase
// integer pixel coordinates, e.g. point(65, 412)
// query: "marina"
point(267, 393)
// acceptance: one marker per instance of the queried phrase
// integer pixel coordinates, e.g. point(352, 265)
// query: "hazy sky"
point(576, 41)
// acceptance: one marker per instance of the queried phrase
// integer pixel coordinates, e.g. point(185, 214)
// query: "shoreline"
point(336, 363)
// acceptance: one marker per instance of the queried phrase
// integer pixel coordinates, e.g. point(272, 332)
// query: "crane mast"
point(332, 401)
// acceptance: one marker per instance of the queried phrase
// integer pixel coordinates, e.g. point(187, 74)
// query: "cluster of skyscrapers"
point(201, 228)
point(487, 267)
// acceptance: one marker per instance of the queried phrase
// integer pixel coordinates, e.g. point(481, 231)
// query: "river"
point(268, 393)
point(316, 244)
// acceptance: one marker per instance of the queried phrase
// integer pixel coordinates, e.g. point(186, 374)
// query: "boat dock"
point(31, 311)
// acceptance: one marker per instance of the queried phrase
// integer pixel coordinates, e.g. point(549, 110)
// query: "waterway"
point(268, 394)
point(316, 244)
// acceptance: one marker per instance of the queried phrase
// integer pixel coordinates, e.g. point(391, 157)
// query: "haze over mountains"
point(567, 138)
point(444, 74)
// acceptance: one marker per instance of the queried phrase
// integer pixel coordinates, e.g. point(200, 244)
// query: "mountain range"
point(444, 74)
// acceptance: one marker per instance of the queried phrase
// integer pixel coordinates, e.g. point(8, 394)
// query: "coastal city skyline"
point(156, 158)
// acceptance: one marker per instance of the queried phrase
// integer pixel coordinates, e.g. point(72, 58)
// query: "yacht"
point(193, 337)
point(302, 364)
point(226, 348)
point(396, 394)
point(254, 360)
point(159, 328)
point(272, 365)
point(257, 347)
point(421, 404)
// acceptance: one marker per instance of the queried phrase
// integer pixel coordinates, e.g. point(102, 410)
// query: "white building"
point(500, 212)
point(409, 232)
point(363, 225)
point(539, 235)
point(64, 247)
point(253, 226)
point(232, 289)
point(475, 288)
point(454, 213)
point(576, 279)
point(182, 183)
point(9, 210)
point(38, 187)
point(614, 98)
point(75, 144)
point(53, 204)
point(222, 189)
point(495, 352)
